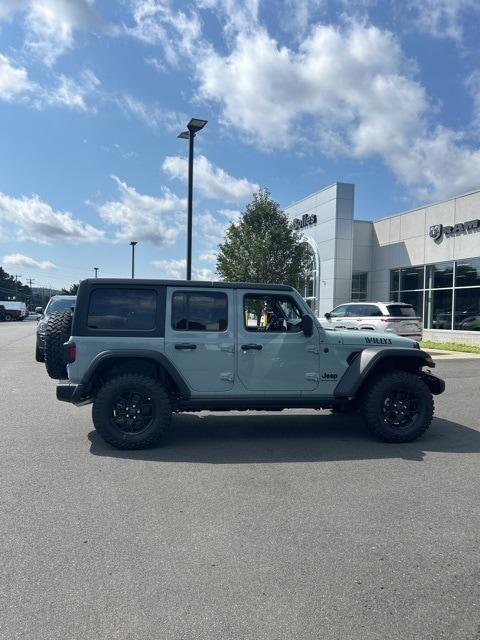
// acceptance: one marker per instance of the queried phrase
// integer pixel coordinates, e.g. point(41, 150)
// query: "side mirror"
point(328, 315)
point(38, 309)
point(307, 325)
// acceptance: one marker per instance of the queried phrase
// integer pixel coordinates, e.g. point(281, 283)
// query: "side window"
point(122, 309)
point(371, 310)
point(193, 311)
point(339, 312)
point(271, 313)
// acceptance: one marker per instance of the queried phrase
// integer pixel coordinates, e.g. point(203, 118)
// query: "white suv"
point(389, 317)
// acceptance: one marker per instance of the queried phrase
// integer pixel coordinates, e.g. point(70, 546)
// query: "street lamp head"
point(133, 243)
point(185, 135)
point(196, 124)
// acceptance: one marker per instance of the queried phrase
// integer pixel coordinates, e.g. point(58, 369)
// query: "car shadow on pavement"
point(264, 438)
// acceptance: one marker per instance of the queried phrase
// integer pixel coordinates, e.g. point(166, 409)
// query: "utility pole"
point(17, 275)
point(31, 292)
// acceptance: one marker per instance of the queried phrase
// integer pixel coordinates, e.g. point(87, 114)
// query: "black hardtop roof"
point(188, 283)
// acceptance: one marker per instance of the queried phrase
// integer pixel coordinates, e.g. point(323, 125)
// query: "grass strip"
point(450, 346)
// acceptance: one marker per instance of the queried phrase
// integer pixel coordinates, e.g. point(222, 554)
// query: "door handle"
point(246, 347)
point(185, 346)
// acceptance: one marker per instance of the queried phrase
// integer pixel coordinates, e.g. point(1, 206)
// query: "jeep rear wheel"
point(398, 407)
point(132, 411)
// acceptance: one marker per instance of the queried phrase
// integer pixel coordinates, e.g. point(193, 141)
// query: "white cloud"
point(442, 18)
point(210, 180)
point(152, 115)
point(14, 82)
point(155, 23)
point(156, 220)
point(15, 86)
point(35, 220)
point(176, 270)
point(238, 16)
point(208, 256)
point(71, 93)
point(232, 215)
point(50, 24)
point(348, 90)
point(19, 260)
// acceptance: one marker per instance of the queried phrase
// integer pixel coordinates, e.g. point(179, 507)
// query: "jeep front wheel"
point(132, 411)
point(398, 407)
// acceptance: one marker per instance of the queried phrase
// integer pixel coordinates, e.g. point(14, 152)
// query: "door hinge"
point(313, 348)
point(226, 377)
point(313, 377)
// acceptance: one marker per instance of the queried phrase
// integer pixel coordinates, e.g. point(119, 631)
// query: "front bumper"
point(434, 383)
point(74, 393)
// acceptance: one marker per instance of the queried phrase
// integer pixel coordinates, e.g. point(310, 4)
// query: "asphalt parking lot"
point(244, 526)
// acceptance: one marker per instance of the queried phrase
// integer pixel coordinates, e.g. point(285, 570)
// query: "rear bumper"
point(435, 384)
point(73, 393)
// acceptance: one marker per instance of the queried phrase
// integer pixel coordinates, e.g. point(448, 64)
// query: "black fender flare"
point(371, 358)
point(142, 354)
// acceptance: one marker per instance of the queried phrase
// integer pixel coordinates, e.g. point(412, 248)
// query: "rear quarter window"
point(122, 309)
point(401, 311)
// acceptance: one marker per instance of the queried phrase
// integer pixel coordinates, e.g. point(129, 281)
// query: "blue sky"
point(297, 94)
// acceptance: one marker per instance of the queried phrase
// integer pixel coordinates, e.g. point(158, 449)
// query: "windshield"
point(59, 305)
point(401, 311)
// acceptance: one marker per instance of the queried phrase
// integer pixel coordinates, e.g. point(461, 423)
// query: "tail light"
point(70, 352)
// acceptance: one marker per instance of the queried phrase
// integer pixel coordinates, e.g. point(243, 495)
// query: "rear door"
point(200, 336)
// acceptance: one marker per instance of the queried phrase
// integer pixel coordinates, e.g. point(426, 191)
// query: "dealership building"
point(428, 257)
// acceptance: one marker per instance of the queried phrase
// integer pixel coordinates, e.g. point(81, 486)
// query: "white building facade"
point(428, 257)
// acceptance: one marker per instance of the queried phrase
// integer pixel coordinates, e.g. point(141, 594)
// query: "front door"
point(273, 354)
point(200, 338)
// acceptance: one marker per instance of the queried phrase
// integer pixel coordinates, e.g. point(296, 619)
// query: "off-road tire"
point(8, 317)
point(377, 394)
point(39, 355)
point(57, 332)
point(105, 401)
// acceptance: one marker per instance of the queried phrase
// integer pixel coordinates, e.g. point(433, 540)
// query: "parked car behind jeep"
point(389, 317)
point(56, 303)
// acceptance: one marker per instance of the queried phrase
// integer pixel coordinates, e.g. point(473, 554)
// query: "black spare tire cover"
point(58, 331)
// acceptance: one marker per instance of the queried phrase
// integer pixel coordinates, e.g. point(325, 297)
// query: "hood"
point(356, 337)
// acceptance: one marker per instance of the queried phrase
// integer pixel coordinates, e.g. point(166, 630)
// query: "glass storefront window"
point(415, 298)
point(438, 309)
point(439, 276)
point(359, 287)
point(467, 273)
point(394, 279)
point(467, 309)
point(411, 278)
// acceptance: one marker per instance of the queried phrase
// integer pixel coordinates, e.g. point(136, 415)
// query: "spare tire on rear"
point(58, 331)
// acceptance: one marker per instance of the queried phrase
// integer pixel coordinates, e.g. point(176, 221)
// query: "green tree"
point(70, 292)
point(263, 246)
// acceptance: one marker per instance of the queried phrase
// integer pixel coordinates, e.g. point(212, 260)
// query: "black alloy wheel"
point(399, 409)
point(133, 412)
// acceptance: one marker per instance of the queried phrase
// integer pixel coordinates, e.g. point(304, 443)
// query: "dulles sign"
point(437, 230)
point(305, 221)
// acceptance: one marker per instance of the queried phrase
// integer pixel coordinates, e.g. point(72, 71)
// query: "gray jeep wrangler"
point(141, 350)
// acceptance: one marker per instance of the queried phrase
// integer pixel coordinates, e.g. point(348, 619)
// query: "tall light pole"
point(96, 271)
point(193, 127)
point(132, 244)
